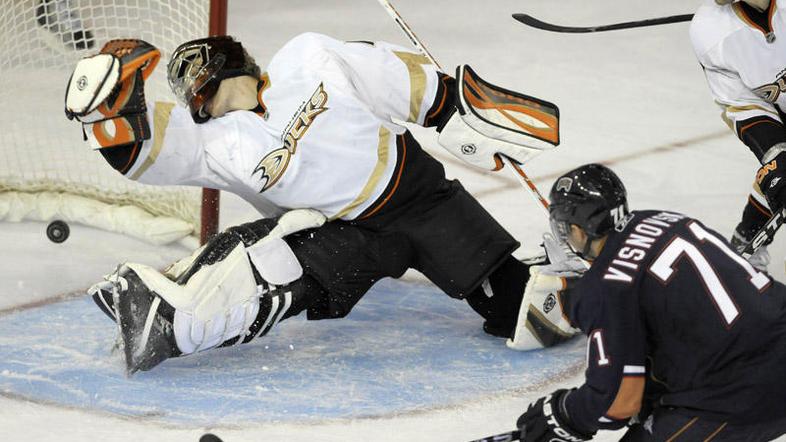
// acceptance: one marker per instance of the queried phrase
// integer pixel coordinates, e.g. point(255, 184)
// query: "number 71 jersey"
point(668, 304)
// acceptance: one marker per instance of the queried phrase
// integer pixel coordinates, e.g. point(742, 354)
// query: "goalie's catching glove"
point(106, 93)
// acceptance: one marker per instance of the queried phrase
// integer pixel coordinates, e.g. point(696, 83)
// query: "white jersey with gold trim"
point(744, 59)
point(325, 141)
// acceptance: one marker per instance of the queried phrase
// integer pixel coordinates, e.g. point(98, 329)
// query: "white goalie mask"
point(761, 5)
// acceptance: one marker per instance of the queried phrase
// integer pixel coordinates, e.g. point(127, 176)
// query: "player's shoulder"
point(712, 24)
point(301, 51)
point(309, 41)
point(632, 245)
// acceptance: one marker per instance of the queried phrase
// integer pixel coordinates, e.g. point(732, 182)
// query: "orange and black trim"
point(262, 86)
point(444, 103)
point(760, 133)
point(393, 185)
point(757, 19)
point(767, 214)
point(698, 430)
point(416, 177)
point(480, 94)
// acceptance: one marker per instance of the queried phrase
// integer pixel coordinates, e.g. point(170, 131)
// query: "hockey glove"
point(547, 421)
point(106, 93)
point(562, 261)
point(771, 179)
point(490, 121)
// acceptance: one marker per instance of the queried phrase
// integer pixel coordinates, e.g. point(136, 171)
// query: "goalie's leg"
point(230, 294)
point(153, 330)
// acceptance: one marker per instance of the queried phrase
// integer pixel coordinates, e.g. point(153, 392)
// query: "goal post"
point(47, 171)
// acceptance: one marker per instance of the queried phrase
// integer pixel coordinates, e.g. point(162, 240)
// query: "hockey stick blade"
point(535, 23)
point(765, 234)
point(503, 437)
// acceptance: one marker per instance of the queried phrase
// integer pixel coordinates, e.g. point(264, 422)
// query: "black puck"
point(209, 437)
point(57, 231)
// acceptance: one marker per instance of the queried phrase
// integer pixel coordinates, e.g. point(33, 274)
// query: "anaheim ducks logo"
point(272, 167)
point(771, 92)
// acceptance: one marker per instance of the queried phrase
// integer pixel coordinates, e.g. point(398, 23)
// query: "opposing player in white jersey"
point(314, 137)
point(742, 48)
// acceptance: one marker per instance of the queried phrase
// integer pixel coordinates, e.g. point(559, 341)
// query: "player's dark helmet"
point(198, 66)
point(591, 197)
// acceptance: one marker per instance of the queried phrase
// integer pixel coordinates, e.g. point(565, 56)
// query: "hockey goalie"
point(346, 194)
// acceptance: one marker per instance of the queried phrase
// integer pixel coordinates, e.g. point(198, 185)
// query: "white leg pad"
point(218, 303)
point(541, 305)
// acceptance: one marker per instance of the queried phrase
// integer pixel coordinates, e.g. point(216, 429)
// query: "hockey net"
point(46, 170)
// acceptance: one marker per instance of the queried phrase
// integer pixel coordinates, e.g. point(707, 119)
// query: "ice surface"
point(405, 348)
point(635, 100)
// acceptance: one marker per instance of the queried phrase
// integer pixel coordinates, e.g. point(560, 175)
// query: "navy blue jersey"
point(668, 303)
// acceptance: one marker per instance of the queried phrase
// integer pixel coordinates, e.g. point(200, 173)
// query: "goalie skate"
point(145, 323)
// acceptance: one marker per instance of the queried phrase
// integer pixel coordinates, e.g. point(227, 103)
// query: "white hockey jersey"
point(744, 60)
point(326, 140)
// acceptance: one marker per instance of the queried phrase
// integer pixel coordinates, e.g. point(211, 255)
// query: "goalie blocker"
point(490, 121)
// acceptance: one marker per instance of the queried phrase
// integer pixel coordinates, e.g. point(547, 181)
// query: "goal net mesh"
point(46, 169)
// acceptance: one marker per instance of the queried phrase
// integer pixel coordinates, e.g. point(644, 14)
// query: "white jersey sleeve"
point(722, 42)
point(394, 82)
point(175, 154)
point(745, 66)
point(181, 152)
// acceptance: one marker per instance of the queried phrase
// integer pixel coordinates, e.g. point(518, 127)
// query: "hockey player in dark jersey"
point(686, 339)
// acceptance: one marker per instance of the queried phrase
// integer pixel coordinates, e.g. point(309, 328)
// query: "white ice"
point(635, 100)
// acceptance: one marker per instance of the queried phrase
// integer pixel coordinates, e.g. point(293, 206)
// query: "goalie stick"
point(515, 169)
point(765, 234)
point(535, 23)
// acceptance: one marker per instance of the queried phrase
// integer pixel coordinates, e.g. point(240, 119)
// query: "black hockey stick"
point(535, 23)
point(765, 234)
point(502, 437)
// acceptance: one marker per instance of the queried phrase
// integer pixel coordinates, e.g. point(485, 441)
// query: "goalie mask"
point(198, 66)
point(591, 197)
point(761, 5)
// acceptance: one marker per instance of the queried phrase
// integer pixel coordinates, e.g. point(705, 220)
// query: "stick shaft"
point(539, 24)
point(514, 168)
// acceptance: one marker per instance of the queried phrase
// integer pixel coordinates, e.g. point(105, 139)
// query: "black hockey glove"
point(772, 181)
point(546, 421)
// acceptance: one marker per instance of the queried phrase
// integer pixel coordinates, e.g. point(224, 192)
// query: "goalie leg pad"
point(541, 322)
point(219, 302)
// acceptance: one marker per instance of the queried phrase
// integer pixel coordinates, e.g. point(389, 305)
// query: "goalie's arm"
point(477, 119)
point(152, 142)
